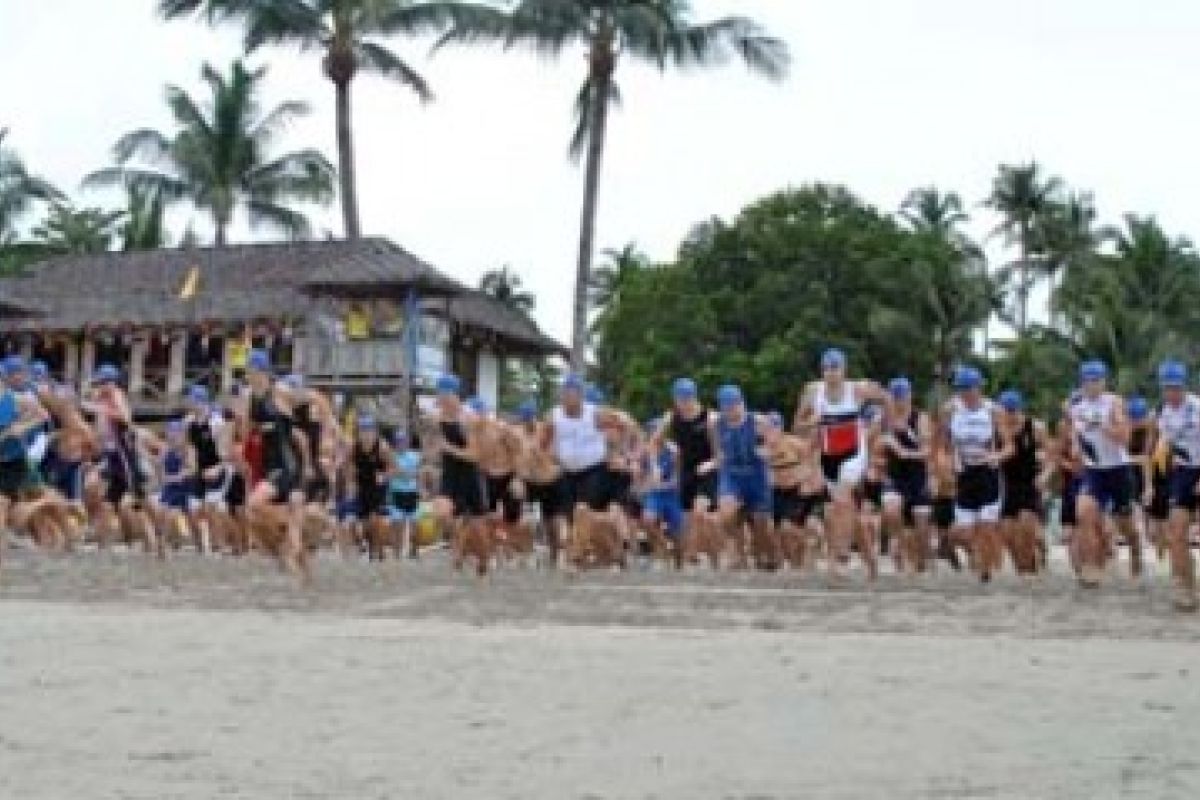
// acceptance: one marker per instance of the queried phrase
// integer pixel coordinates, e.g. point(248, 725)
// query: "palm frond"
point(713, 44)
point(277, 120)
point(379, 60)
point(291, 223)
point(583, 115)
point(305, 175)
point(145, 144)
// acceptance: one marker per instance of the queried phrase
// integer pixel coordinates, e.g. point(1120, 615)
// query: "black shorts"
point(122, 479)
point(14, 477)
point(693, 486)
point(1160, 498)
point(235, 497)
point(1069, 516)
point(592, 487)
point(791, 506)
point(547, 497)
point(619, 488)
point(943, 513)
point(1018, 498)
point(465, 489)
point(406, 503)
point(318, 489)
point(283, 482)
point(213, 489)
point(871, 493)
point(500, 498)
point(913, 490)
point(372, 502)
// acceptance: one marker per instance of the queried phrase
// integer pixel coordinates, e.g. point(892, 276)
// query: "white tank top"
point(1180, 428)
point(578, 443)
point(840, 421)
point(972, 433)
point(1089, 416)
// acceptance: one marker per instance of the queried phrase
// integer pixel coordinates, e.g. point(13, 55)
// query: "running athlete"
point(210, 438)
point(689, 426)
point(662, 509)
point(18, 417)
point(367, 472)
point(1150, 482)
point(1179, 428)
point(499, 453)
point(278, 496)
point(793, 472)
point(1100, 434)
point(907, 438)
point(541, 474)
point(1023, 477)
point(462, 500)
point(974, 427)
point(177, 470)
point(404, 492)
point(314, 419)
point(743, 478)
point(831, 410)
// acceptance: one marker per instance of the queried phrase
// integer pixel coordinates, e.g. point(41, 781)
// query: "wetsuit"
point(743, 474)
point(317, 489)
point(462, 482)
point(369, 468)
point(908, 477)
point(280, 462)
point(691, 436)
point(1019, 473)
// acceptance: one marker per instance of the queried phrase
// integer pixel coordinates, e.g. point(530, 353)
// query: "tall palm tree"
point(657, 32)
point(930, 209)
point(20, 190)
point(1022, 196)
point(607, 279)
point(67, 229)
point(505, 285)
point(346, 33)
point(144, 225)
point(217, 159)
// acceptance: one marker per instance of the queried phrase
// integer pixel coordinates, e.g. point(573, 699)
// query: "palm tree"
point(607, 279)
point(504, 285)
point(71, 230)
point(19, 190)
point(1068, 238)
point(144, 226)
point(657, 32)
point(1021, 195)
point(930, 209)
point(217, 159)
point(346, 32)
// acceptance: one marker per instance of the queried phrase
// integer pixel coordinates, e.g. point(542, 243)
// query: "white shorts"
point(965, 518)
point(842, 471)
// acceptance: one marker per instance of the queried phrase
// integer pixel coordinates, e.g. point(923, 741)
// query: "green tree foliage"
point(218, 158)
point(756, 300)
point(505, 286)
point(71, 230)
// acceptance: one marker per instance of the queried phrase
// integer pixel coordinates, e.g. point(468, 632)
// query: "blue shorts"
point(752, 490)
point(176, 496)
point(666, 507)
point(1110, 487)
point(347, 510)
point(1181, 487)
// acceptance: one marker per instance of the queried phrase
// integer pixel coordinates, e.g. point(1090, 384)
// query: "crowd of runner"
point(861, 472)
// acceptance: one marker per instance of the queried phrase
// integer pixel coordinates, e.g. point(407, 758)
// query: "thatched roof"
point(9, 308)
point(243, 283)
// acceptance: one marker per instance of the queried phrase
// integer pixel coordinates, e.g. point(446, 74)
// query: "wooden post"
point(71, 361)
point(87, 361)
point(137, 365)
point(176, 371)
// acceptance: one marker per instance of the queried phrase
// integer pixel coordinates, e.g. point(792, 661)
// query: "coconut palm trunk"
point(346, 176)
point(602, 64)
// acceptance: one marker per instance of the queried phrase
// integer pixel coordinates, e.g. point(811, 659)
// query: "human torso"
point(1090, 417)
point(1179, 427)
point(579, 442)
point(839, 419)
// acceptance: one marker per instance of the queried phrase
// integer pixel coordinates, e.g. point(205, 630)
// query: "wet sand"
point(122, 678)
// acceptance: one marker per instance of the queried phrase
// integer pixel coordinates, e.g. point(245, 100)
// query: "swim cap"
point(106, 373)
point(1011, 400)
point(39, 370)
point(198, 393)
point(12, 365)
point(258, 361)
point(294, 381)
point(1093, 370)
point(527, 411)
point(1138, 408)
point(776, 420)
point(966, 377)
point(449, 384)
point(684, 389)
point(1172, 374)
point(174, 426)
point(833, 358)
point(593, 394)
point(478, 405)
point(367, 423)
point(728, 396)
point(572, 383)
point(900, 388)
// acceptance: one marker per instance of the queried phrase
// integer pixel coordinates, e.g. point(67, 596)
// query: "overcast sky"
point(883, 96)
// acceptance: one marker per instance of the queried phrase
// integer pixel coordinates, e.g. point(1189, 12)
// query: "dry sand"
point(122, 678)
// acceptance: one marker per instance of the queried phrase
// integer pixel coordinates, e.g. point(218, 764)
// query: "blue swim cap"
point(1011, 400)
point(684, 389)
point(39, 370)
point(367, 423)
point(1172, 374)
point(900, 388)
point(106, 373)
point(573, 383)
point(593, 394)
point(833, 358)
point(198, 393)
point(449, 384)
point(175, 426)
point(13, 365)
point(478, 405)
point(728, 396)
point(1093, 370)
point(293, 380)
point(527, 411)
point(776, 420)
point(258, 361)
point(966, 378)
point(1138, 408)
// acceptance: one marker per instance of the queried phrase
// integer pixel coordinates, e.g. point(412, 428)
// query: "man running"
point(1022, 476)
point(743, 477)
point(1179, 427)
point(541, 475)
point(367, 471)
point(907, 438)
point(1100, 432)
point(689, 426)
point(462, 498)
point(831, 410)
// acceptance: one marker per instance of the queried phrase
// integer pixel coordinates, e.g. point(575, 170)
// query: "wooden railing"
point(373, 358)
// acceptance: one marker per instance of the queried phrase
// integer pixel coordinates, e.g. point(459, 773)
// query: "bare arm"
point(805, 419)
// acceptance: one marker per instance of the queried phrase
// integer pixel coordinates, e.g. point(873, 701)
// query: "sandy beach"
point(122, 678)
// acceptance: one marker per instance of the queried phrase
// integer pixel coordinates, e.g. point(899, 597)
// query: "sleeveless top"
point(840, 421)
point(173, 465)
point(1089, 415)
point(275, 429)
point(739, 447)
point(578, 443)
point(1022, 468)
point(907, 436)
point(453, 466)
point(972, 434)
point(691, 436)
point(1180, 428)
point(201, 435)
point(368, 464)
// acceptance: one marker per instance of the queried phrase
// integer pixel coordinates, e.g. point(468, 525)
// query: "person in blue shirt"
point(177, 468)
point(662, 506)
point(404, 491)
point(743, 478)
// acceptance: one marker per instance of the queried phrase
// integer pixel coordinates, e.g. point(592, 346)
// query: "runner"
point(688, 425)
point(1148, 473)
point(462, 501)
point(662, 509)
point(974, 429)
point(177, 470)
point(797, 487)
point(276, 501)
point(541, 474)
point(743, 478)
point(210, 438)
point(367, 472)
point(499, 454)
point(831, 410)
point(1022, 476)
point(907, 437)
point(1100, 431)
point(404, 492)
point(1179, 427)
